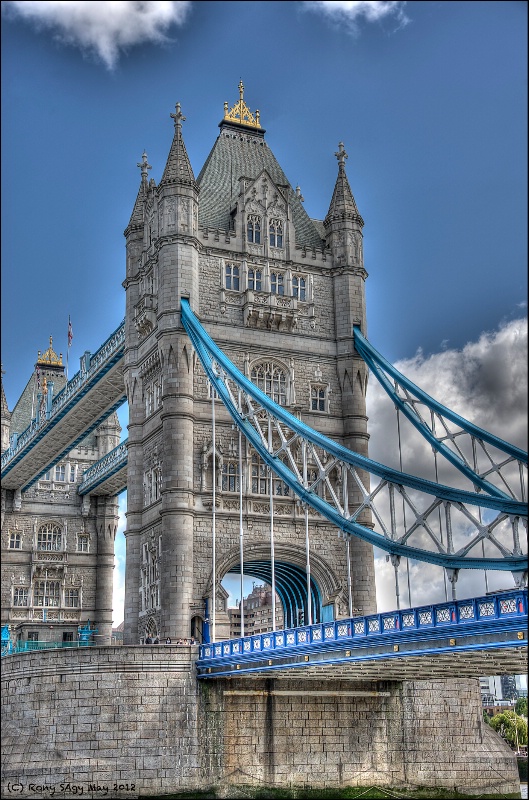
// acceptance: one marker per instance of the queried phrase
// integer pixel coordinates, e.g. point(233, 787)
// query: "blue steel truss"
point(335, 481)
point(472, 450)
point(486, 623)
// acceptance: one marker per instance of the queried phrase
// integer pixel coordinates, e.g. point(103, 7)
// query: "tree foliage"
point(511, 727)
point(521, 706)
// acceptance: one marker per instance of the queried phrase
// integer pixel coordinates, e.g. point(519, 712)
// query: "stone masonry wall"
point(133, 722)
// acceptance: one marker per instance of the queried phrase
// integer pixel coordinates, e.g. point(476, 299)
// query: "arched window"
point(275, 229)
point(253, 228)
point(271, 379)
point(49, 537)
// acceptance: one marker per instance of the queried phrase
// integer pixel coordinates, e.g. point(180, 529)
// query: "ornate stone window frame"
point(15, 540)
point(318, 397)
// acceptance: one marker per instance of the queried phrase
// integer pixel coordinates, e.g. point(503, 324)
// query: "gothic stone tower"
point(57, 550)
point(280, 293)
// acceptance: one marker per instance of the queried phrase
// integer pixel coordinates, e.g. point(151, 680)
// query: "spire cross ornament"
point(178, 117)
point(144, 167)
point(341, 155)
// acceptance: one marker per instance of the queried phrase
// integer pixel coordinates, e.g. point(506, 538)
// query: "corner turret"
point(5, 418)
point(343, 223)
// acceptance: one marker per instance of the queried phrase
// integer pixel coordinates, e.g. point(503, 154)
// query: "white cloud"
point(103, 28)
point(485, 382)
point(351, 12)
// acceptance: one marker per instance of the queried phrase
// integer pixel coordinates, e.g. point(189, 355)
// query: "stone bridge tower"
point(280, 293)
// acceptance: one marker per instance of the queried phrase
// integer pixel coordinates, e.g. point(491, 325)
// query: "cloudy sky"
point(430, 99)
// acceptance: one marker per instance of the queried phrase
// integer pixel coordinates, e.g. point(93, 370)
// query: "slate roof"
point(242, 152)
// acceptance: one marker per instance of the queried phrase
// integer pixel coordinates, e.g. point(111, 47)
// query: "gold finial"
point(240, 113)
point(50, 358)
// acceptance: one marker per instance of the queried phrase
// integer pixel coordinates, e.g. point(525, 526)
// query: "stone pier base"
point(134, 722)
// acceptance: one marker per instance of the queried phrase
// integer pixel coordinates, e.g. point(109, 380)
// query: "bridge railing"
point(98, 362)
point(506, 605)
point(103, 469)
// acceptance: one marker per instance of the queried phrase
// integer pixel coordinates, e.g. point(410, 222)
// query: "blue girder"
point(208, 352)
point(379, 366)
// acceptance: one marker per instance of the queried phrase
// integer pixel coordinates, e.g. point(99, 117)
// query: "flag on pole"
point(70, 332)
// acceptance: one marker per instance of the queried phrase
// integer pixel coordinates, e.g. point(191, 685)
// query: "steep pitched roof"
point(137, 216)
point(241, 152)
point(343, 205)
point(178, 167)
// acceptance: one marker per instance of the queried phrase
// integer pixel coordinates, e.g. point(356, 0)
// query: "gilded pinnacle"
point(240, 113)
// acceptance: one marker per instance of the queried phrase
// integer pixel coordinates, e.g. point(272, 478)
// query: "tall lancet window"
point(253, 228)
point(275, 229)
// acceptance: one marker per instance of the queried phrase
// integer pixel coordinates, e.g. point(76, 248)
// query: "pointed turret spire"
point(343, 204)
point(178, 168)
point(145, 167)
point(6, 417)
point(138, 212)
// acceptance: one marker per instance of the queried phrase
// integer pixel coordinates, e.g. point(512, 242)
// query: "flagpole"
point(70, 337)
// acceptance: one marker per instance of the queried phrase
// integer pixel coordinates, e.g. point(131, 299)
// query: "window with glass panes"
point(46, 593)
point(271, 379)
point(232, 276)
point(299, 287)
point(230, 476)
point(14, 541)
point(83, 543)
point(260, 480)
point(318, 398)
point(20, 596)
point(255, 280)
point(71, 598)
point(275, 229)
point(277, 283)
point(253, 228)
point(60, 472)
point(49, 537)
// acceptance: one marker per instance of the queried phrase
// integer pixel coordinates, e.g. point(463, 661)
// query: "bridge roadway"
point(465, 638)
point(108, 475)
point(85, 402)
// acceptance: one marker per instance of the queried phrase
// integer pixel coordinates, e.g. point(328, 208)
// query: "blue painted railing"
point(107, 355)
point(104, 469)
point(460, 613)
point(26, 647)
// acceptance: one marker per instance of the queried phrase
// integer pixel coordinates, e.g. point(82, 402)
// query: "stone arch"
point(291, 585)
point(151, 628)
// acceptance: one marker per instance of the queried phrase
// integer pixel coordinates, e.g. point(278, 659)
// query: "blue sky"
point(430, 99)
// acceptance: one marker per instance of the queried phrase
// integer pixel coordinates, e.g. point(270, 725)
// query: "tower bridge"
point(243, 358)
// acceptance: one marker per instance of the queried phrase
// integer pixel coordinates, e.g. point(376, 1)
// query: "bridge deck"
point(482, 636)
point(84, 403)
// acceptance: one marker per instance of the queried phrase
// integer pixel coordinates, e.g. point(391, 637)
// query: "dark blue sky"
point(433, 115)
